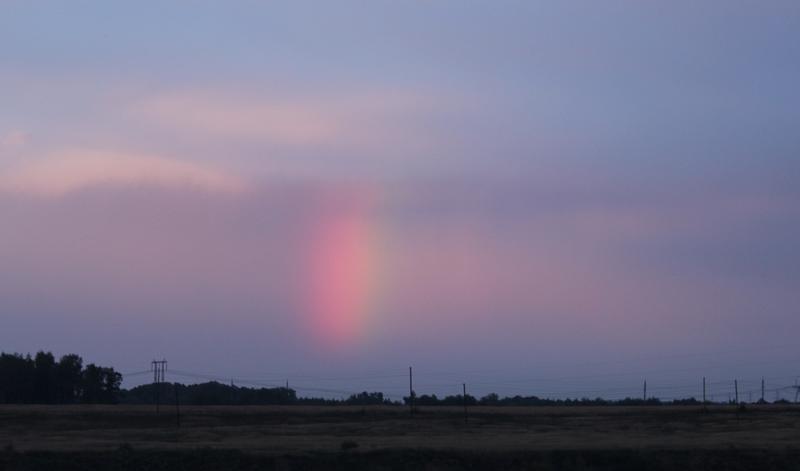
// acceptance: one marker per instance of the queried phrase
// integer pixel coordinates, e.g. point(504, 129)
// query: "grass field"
point(379, 432)
point(287, 429)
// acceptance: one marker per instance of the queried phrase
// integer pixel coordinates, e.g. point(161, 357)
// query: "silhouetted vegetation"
point(219, 394)
point(432, 400)
point(368, 399)
point(209, 394)
point(42, 380)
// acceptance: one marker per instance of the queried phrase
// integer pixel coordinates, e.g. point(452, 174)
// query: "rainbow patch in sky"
point(344, 272)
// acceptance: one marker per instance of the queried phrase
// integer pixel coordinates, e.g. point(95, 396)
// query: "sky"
point(550, 198)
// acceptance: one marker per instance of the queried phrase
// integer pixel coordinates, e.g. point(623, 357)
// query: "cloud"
point(198, 112)
point(339, 119)
point(79, 168)
point(16, 139)
point(707, 216)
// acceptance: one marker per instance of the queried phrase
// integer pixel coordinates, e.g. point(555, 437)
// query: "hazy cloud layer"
point(468, 277)
point(74, 169)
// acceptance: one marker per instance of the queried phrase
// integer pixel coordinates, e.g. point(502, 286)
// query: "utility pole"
point(177, 408)
point(704, 394)
point(645, 392)
point(736, 386)
point(410, 392)
point(158, 368)
point(465, 402)
point(762, 389)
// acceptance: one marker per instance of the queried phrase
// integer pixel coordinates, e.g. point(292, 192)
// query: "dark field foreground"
point(380, 437)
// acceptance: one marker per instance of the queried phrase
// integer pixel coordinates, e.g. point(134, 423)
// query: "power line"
point(634, 360)
point(524, 382)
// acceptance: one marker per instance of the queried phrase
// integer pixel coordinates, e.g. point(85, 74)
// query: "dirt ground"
point(293, 429)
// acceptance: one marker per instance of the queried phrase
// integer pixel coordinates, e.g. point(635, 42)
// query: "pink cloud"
point(79, 168)
point(381, 120)
point(204, 113)
point(16, 139)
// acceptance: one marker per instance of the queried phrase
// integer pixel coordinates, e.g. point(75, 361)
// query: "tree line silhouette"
point(492, 399)
point(215, 393)
point(43, 380)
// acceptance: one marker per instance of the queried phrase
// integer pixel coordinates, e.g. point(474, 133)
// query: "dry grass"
point(289, 429)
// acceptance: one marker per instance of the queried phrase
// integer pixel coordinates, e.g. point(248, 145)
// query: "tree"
point(426, 400)
point(100, 385)
point(40, 380)
point(68, 378)
point(16, 378)
point(491, 399)
point(407, 399)
point(365, 399)
point(111, 382)
point(44, 378)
